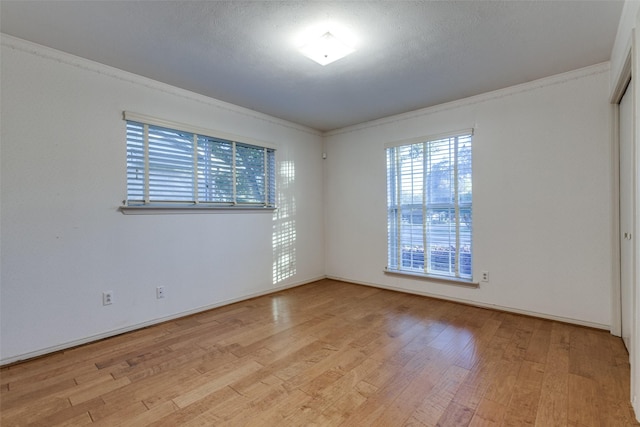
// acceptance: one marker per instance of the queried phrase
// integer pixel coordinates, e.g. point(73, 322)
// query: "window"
point(429, 207)
point(167, 166)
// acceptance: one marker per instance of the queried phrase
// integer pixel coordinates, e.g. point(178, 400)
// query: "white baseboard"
point(130, 328)
point(481, 304)
point(114, 332)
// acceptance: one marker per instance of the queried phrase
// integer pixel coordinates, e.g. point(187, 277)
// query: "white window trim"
point(435, 137)
point(141, 118)
point(191, 208)
point(468, 283)
point(461, 281)
point(146, 208)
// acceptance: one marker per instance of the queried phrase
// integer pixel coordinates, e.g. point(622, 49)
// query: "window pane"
point(429, 207)
point(135, 161)
point(166, 165)
point(250, 174)
point(271, 176)
point(392, 209)
point(170, 165)
point(215, 170)
point(464, 170)
point(465, 242)
point(442, 240)
point(439, 164)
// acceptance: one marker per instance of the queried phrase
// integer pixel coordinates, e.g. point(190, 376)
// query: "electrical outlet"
point(485, 276)
point(160, 292)
point(107, 298)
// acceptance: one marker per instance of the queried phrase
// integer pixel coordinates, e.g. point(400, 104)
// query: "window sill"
point(468, 283)
point(191, 209)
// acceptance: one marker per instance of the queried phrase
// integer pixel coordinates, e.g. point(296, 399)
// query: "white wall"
point(541, 204)
point(63, 177)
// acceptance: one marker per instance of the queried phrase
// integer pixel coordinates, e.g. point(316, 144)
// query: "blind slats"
point(167, 165)
point(429, 212)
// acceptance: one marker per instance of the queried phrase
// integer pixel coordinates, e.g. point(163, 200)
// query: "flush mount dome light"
point(326, 49)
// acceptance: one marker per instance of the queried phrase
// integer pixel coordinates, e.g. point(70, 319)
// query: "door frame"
point(630, 69)
point(621, 86)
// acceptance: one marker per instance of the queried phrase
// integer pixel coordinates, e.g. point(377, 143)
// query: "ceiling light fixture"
point(326, 49)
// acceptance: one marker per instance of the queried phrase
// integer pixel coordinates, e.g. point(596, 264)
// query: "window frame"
point(144, 205)
point(395, 251)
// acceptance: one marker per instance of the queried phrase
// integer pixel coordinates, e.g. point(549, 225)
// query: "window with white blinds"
point(429, 213)
point(167, 166)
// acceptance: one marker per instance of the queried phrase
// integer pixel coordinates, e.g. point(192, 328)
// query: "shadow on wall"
point(284, 225)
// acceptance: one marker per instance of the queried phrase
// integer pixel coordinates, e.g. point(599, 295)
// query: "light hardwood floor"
point(331, 353)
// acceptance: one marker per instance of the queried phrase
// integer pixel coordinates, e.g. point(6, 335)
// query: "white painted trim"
point(477, 99)
point(616, 303)
point(628, 70)
point(621, 83)
point(622, 43)
point(455, 281)
point(422, 139)
point(98, 68)
point(112, 333)
point(185, 127)
point(479, 304)
point(634, 353)
point(93, 338)
point(192, 208)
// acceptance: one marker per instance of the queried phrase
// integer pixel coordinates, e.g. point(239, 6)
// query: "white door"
point(627, 236)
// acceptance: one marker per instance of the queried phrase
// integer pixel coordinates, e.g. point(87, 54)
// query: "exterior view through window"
point(169, 166)
point(429, 213)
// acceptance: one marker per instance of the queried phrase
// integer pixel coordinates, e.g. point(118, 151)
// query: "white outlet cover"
point(107, 298)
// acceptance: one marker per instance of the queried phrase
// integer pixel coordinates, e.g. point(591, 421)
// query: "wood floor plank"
point(584, 401)
point(456, 415)
point(214, 381)
point(503, 383)
point(539, 344)
point(349, 386)
point(523, 407)
point(331, 353)
point(18, 397)
point(488, 414)
point(404, 405)
point(65, 414)
point(194, 411)
point(58, 372)
point(30, 411)
point(122, 415)
point(389, 391)
point(434, 402)
point(552, 409)
point(284, 409)
point(83, 419)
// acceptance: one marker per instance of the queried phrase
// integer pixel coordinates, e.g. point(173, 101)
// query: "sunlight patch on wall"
point(284, 225)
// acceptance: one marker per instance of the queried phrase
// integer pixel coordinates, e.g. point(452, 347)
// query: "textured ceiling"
point(410, 54)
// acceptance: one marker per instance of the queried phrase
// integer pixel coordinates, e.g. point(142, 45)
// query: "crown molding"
point(478, 99)
point(98, 68)
point(118, 74)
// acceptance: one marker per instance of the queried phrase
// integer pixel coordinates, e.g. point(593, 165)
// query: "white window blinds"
point(171, 166)
point(429, 211)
